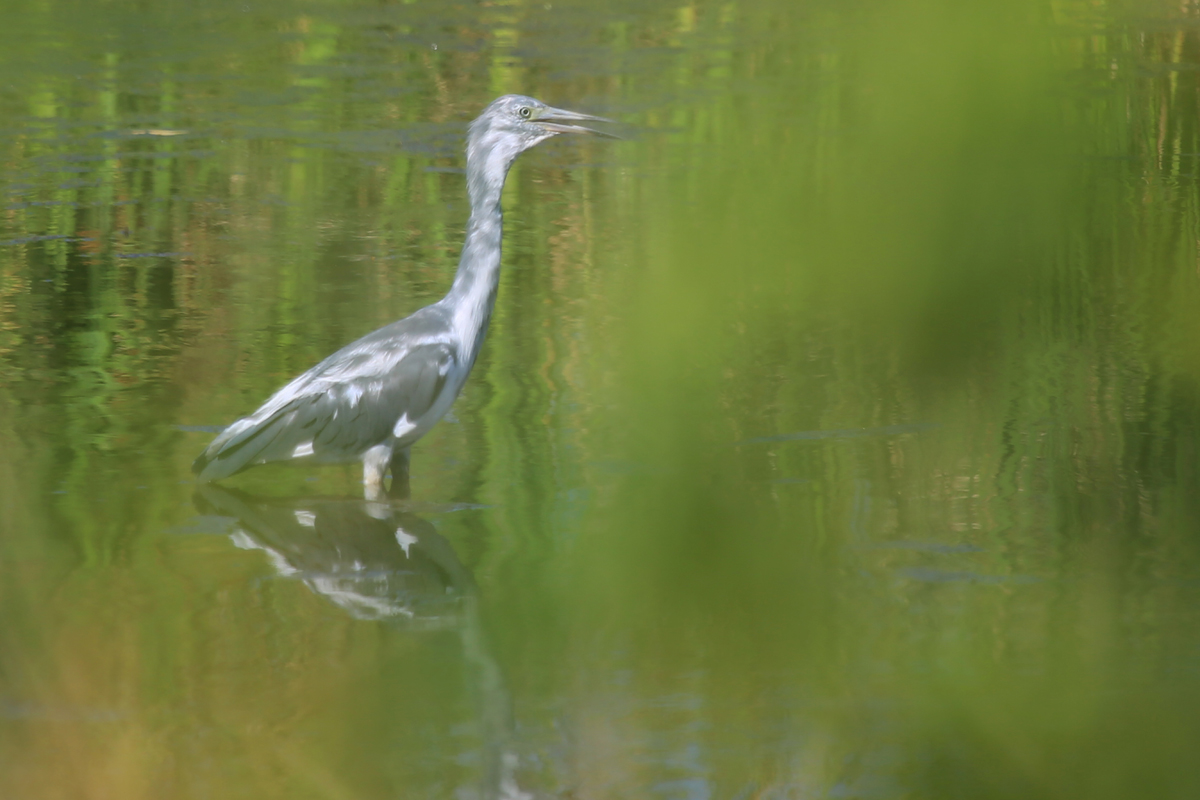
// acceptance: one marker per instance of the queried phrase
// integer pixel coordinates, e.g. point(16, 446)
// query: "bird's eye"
point(524, 112)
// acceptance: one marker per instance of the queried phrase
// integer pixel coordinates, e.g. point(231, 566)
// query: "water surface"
point(836, 434)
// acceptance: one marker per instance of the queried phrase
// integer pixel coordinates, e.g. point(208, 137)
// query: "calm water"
point(837, 433)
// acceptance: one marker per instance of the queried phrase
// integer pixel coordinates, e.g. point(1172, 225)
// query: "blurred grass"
point(949, 237)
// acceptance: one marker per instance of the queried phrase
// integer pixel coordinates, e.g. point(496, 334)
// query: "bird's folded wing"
point(334, 415)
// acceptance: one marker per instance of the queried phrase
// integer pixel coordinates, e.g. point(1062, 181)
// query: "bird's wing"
point(343, 406)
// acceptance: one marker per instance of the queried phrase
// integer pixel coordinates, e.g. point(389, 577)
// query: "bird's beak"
point(557, 120)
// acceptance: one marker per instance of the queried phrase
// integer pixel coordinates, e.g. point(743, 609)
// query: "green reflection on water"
point(835, 435)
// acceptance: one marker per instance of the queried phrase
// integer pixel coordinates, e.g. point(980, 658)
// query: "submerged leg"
point(399, 465)
point(375, 462)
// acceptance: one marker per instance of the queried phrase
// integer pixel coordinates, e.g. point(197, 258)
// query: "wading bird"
point(371, 400)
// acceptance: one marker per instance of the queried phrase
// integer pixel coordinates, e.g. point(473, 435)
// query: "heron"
point(374, 398)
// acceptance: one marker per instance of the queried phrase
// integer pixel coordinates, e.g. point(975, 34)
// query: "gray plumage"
point(371, 400)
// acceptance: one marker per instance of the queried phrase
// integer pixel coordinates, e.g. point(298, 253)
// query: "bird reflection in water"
point(378, 562)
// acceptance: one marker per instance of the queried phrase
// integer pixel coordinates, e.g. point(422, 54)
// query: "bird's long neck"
point(473, 295)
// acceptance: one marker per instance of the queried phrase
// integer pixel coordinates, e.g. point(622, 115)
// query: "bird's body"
point(371, 400)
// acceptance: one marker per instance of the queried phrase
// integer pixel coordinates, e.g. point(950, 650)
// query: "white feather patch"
point(405, 540)
point(403, 426)
point(303, 449)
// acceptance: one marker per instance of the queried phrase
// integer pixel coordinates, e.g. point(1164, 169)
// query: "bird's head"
point(514, 123)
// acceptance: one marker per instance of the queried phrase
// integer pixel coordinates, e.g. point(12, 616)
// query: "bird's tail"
point(242, 444)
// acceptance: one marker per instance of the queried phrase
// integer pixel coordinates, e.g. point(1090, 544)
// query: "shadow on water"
point(377, 561)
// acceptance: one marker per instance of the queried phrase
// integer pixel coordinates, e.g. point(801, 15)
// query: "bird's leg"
point(399, 489)
point(375, 462)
